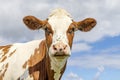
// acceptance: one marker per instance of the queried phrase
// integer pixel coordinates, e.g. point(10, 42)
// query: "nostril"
point(54, 47)
point(60, 49)
point(65, 47)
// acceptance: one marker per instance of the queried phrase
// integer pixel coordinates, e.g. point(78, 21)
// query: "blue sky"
point(95, 54)
point(104, 54)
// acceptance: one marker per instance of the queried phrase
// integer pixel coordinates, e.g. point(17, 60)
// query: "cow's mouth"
point(60, 55)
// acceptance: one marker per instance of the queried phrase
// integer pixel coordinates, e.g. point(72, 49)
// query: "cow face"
point(59, 31)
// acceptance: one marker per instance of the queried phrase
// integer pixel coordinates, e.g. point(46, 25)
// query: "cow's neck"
point(55, 69)
point(47, 68)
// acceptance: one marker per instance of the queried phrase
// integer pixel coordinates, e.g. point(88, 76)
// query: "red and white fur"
point(42, 59)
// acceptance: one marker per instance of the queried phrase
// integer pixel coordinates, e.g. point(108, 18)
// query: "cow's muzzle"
point(60, 49)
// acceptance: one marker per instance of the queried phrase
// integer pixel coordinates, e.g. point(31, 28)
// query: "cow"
point(44, 59)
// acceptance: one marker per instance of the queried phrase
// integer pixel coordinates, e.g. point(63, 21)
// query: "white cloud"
point(77, 47)
point(92, 61)
point(97, 76)
point(111, 4)
point(73, 76)
point(106, 57)
point(99, 72)
point(101, 68)
point(112, 50)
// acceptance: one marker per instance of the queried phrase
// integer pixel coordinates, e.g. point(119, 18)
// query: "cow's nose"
point(59, 47)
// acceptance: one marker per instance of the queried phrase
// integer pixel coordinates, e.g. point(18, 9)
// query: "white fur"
point(16, 61)
point(57, 65)
point(60, 21)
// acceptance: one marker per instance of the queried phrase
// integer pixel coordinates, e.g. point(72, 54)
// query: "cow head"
point(59, 31)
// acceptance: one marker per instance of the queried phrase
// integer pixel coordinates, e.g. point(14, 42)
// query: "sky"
point(95, 54)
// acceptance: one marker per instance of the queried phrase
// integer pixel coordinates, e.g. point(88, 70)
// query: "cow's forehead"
point(59, 19)
point(60, 24)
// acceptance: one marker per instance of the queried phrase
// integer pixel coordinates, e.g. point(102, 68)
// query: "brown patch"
point(38, 55)
point(12, 53)
point(48, 35)
point(44, 68)
point(36, 75)
point(5, 49)
point(37, 63)
point(40, 67)
point(3, 72)
point(25, 65)
point(1, 77)
point(70, 34)
point(6, 66)
point(50, 73)
point(86, 25)
point(33, 23)
point(3, 58)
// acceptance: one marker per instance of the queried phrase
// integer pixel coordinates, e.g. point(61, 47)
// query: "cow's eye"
point(48, 31)
point(71, 30)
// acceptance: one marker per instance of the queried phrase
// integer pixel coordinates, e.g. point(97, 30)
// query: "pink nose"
point(59, 47)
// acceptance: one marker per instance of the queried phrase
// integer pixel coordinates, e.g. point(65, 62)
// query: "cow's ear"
point(86, 25)
point(33, 23)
